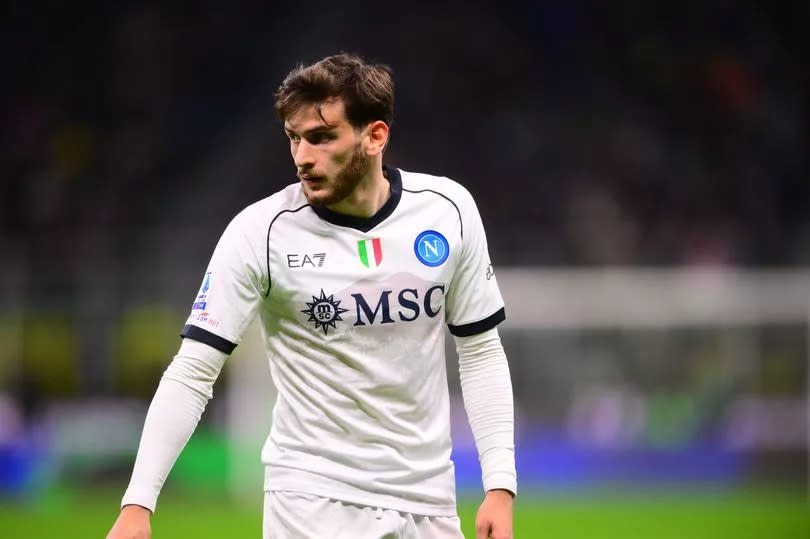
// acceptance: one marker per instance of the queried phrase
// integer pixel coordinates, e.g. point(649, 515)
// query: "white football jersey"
point(352, 313)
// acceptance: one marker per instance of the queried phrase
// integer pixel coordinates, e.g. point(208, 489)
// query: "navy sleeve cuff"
point(474, 328)
point(206, 337)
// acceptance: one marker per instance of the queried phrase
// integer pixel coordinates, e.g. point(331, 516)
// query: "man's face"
point(327, 152)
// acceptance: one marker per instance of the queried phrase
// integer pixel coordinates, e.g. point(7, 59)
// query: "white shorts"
point(295, 515)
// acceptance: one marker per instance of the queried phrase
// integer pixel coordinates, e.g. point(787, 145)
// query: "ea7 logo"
point(299, 261)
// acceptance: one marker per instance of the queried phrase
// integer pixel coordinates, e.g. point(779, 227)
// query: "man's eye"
point(293, 138)
point(320, 138)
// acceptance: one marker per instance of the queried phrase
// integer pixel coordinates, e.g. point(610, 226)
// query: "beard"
point(344, 183)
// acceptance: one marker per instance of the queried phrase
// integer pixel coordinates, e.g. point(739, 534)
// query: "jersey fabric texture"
point(352, 313)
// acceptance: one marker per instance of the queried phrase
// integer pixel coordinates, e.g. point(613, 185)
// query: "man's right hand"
point(132, 523)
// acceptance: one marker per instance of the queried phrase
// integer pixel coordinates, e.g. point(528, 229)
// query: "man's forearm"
point(173, 415)
point(487, 391)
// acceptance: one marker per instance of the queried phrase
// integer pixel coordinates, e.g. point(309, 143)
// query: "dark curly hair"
point(367, 90)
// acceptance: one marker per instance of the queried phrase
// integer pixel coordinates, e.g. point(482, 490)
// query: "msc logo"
point(431, 248)
point(405, 306)
point(409, 306)
point(324, 312)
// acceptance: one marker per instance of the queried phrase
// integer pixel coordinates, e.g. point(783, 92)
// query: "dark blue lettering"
point(382, 304)
point(428, 310)
point(409, 304)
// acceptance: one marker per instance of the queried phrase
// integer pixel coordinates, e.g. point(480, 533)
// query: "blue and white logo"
point(201, 303)
point(431, 248)
point(206, 283)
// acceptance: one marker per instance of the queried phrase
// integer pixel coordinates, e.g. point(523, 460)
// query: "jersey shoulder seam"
point(450, 200)
point(269, 227)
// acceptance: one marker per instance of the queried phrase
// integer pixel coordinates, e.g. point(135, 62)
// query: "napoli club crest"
point(431, 248)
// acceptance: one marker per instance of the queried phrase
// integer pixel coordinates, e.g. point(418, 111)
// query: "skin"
point(340, 167)
point(494, 517)
point(134, 522)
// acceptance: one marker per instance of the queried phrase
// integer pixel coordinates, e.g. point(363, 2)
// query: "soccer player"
point(353, 272)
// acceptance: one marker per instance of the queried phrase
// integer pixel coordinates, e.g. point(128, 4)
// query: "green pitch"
point(79, 513)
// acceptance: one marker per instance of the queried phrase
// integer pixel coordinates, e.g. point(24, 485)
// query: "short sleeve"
point(474, 302)
point(230, 293)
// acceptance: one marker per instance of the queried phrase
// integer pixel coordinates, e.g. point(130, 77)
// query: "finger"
point(501, 532)
point(482, 529)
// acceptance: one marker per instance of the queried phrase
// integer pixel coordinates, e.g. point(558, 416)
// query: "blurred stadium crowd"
point(628, 134)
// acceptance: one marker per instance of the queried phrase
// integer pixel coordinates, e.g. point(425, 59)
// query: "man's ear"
point(377, 137)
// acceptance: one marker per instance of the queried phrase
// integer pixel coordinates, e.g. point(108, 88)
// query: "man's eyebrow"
point(319, 129)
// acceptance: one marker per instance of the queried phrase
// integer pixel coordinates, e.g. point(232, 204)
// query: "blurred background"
point(642, 171)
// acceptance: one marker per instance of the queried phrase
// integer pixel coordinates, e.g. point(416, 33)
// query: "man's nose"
point(303, 155)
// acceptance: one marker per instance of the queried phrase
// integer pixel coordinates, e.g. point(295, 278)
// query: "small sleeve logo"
point(201, 302)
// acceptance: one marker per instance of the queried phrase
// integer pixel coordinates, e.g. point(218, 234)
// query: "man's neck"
point(367, 198)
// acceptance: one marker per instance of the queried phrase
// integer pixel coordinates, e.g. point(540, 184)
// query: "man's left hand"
point(494, 518)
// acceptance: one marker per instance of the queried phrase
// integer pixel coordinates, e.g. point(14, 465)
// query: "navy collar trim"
point(364, 224)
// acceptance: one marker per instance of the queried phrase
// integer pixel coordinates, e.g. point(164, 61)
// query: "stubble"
point(344, 182)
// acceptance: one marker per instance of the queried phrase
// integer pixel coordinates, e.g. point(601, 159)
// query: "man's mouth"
point(310, 179)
